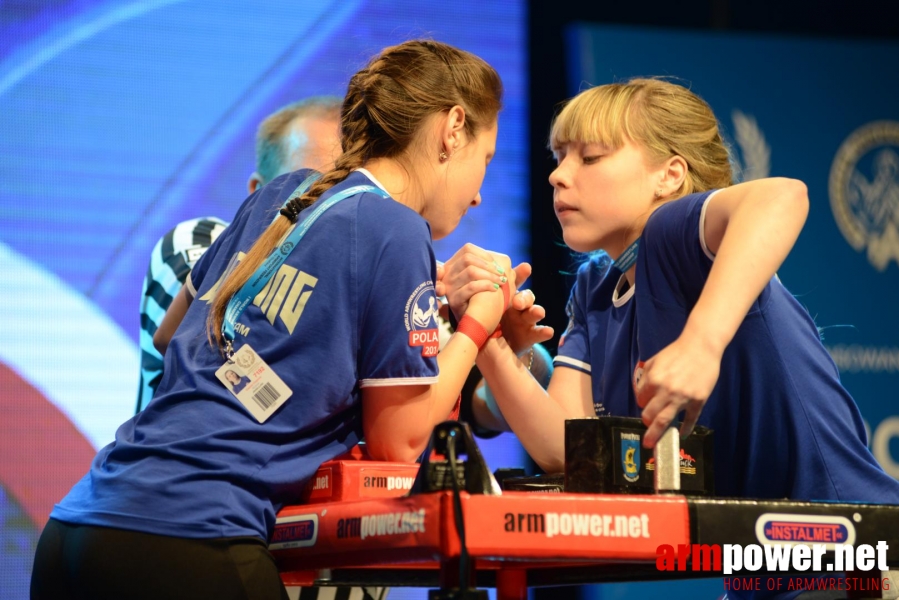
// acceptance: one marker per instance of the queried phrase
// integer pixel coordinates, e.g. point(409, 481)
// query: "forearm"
point(398, 420)
point(173, 317)
point(485, 409)
point(536, 418)
point(759, 233)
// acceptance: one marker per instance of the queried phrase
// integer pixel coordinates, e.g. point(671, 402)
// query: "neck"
point(395, 177)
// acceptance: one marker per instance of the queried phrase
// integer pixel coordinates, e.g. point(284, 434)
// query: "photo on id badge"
point(253, 383)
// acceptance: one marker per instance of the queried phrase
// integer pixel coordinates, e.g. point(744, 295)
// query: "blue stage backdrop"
point(120, 119)
point(822, 111)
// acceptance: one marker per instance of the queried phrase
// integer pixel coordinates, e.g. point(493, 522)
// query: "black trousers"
point(82, 562)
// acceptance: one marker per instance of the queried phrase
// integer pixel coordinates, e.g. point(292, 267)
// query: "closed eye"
point(589, 160)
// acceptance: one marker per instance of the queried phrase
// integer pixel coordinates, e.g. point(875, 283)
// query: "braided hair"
point(383, 112)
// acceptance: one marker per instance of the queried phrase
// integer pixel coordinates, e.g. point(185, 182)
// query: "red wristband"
point(474, 330)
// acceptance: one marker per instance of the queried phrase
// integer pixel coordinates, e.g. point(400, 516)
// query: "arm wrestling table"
point(515, 540)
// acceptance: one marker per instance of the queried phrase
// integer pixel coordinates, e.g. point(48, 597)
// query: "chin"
point(579, 244)
point(439, 234)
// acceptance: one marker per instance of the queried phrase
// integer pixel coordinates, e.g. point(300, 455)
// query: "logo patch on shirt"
point(421, 318)
point(638, 374)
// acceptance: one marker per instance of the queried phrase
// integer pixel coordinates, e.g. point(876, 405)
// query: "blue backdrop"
point(120, 119)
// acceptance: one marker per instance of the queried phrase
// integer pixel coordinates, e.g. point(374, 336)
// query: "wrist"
point(525, 356)
point(473, 330)
point(507, 298)
point(712, 339)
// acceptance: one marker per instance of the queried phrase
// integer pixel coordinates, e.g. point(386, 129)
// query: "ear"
point(674, 171)
point(453, 130)
point(254, 182)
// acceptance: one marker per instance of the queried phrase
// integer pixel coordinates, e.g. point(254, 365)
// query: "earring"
point(443, 156)
point(658, 194)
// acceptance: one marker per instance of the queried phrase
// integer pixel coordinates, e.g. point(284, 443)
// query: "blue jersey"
point(784, 425)
point(353, 306)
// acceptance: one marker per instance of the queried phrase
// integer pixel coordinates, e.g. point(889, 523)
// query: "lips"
point(562, 208)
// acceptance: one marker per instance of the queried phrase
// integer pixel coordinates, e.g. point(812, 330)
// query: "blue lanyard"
point(240, 300)
point(628, 258)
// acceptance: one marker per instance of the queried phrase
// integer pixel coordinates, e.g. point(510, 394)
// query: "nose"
point(477, 199)
point(559, 177)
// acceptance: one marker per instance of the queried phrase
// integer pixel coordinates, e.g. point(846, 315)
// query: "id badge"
point(254, 383)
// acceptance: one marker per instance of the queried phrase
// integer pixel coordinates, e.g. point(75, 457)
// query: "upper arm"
point(716, 213)
point(388, 411)
point(397, 303)
point(722, 205)
point(173, 317)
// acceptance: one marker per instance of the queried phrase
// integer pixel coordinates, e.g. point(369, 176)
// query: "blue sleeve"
point(574, 345)
point(398, 304)
point(674, 259)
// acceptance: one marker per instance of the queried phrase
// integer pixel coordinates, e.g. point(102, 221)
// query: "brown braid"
point(382, 115)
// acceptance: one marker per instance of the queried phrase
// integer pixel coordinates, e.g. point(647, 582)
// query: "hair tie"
point(291, 210)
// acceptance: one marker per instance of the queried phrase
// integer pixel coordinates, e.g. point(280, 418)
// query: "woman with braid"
point(315, 307)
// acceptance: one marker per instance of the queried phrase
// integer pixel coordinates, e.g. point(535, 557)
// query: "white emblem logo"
point(754, 150)
point(864, 191)
point(421, 319)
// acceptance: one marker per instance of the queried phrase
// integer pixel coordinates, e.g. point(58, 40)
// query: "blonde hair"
point(663, 118)
point(384, 110)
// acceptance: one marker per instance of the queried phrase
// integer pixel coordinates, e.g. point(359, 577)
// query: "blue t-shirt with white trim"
point(351, 307)
point(784, 425)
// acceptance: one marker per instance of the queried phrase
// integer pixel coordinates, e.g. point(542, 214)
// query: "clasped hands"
point(472, 271)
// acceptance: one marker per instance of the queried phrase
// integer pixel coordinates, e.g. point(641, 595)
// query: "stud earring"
point(443, 156)
point(658, 194)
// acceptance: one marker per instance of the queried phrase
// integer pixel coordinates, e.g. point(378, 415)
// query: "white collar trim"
point(620, 300)
point(374, 179)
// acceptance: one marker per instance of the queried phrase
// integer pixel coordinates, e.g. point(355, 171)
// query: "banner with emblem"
point(823, 111)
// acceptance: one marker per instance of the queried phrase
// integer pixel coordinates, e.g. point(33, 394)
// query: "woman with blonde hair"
point(678, 309)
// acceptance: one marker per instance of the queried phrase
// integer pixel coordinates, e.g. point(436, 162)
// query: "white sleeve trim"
point(397, 381)
point(190, 286)
point(702, 243)
point(572, 362)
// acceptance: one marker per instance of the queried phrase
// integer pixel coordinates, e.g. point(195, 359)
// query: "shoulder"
point(592, 287)
point(192, 232)
point(279, 189)
point(677, 211)
point(593, 270)
point(181, 246)
point(383, 216)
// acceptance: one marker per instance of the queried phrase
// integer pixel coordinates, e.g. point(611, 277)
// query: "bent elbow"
point(799, 192)
point(394, 450)
point(795, 192)
point(551, 465)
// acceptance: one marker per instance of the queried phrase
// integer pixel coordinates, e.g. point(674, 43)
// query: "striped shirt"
point(171, 260)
